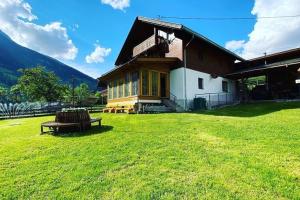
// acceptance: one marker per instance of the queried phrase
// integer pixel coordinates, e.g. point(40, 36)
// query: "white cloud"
point(271, 35)
point(16, 20)
point(117, 4)
point(235, 45)
point(98, 55)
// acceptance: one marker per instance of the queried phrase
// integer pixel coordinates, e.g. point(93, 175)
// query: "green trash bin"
point(200, 103)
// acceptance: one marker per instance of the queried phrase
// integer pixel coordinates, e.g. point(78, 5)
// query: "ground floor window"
point(121, 88)
point(154, 83)
point(145, 83)
point(225, 86)
point(134, 84)
point(127, 84)
point(115, 89)
point(200, 83)
point(150, 83)
point(110, 90)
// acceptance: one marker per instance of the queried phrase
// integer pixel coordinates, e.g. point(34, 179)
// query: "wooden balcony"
point(146, 45)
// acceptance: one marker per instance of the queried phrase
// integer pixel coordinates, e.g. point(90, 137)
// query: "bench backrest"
point(72, 117)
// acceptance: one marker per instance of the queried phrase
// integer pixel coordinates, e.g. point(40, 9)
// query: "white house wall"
point(210, 85)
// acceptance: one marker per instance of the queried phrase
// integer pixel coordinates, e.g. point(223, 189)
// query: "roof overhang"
point(203, 38)
point(261, 70)
point(137, 62)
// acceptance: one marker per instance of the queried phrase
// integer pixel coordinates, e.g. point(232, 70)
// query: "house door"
point(163, 85)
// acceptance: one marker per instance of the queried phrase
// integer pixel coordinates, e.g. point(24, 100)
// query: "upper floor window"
point(225, 86)
point(200, 83)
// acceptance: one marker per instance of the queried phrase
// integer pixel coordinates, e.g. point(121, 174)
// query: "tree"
point(3, 94)
point(82, 92)
point(15, 94)
point(37, 84)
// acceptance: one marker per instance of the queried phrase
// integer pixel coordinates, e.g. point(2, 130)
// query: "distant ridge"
point(14, 56)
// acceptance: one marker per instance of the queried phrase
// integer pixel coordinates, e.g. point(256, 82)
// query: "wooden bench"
point(83, 124)
point(96, 120)
point(56, 125)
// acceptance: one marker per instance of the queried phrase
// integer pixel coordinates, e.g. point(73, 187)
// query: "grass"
point(244, 152)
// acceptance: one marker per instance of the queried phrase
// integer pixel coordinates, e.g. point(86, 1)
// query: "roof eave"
point(211, 42)
point(266, 67)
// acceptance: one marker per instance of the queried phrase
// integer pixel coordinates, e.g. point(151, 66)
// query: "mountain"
point(14, 56)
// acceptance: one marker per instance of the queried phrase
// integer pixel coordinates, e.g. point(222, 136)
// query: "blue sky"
point(108, 26)
point(93, 23)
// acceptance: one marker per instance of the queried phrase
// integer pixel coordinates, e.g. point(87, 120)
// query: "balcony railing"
point(146, 45)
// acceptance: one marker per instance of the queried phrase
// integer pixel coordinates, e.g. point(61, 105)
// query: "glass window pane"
point(135, 79)
point(154, 84)
point(121, 92)
point(110, 90)
point(200, 83)
point(127, 85)
point(225, 86)
point(145, 81)
point(115, 94)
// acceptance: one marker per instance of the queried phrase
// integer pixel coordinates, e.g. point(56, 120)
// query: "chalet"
point(167, 65)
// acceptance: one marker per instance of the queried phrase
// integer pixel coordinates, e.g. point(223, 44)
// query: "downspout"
point(184, 76)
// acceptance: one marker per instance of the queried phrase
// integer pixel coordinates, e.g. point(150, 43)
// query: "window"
point(145, 83)
point(200, 83)
point(110, 90)
point(134, 85)
point(127, 85)
point(225, 86)
point(115, 94)
point(121, 88)
point(154, 83)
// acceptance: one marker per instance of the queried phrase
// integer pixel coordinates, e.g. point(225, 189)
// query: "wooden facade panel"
point(176, 49)
point(205, 58)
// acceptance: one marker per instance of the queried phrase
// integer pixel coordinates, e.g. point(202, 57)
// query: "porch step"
point(173, 105)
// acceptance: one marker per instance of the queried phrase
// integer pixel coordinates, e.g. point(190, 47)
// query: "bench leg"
point(100, 123)
point(42, 130)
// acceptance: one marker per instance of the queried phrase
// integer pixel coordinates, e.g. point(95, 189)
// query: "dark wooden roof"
point(144, 27)
point(269, 59)
point(257, 70)
point(290, 52)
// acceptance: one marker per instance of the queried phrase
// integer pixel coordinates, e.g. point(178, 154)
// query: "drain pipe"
point(184, 77)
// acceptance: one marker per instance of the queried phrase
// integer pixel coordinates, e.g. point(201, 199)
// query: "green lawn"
point(244, 152)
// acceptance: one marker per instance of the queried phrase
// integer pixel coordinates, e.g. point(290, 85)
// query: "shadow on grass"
point(252, 109)
point(95, 130)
